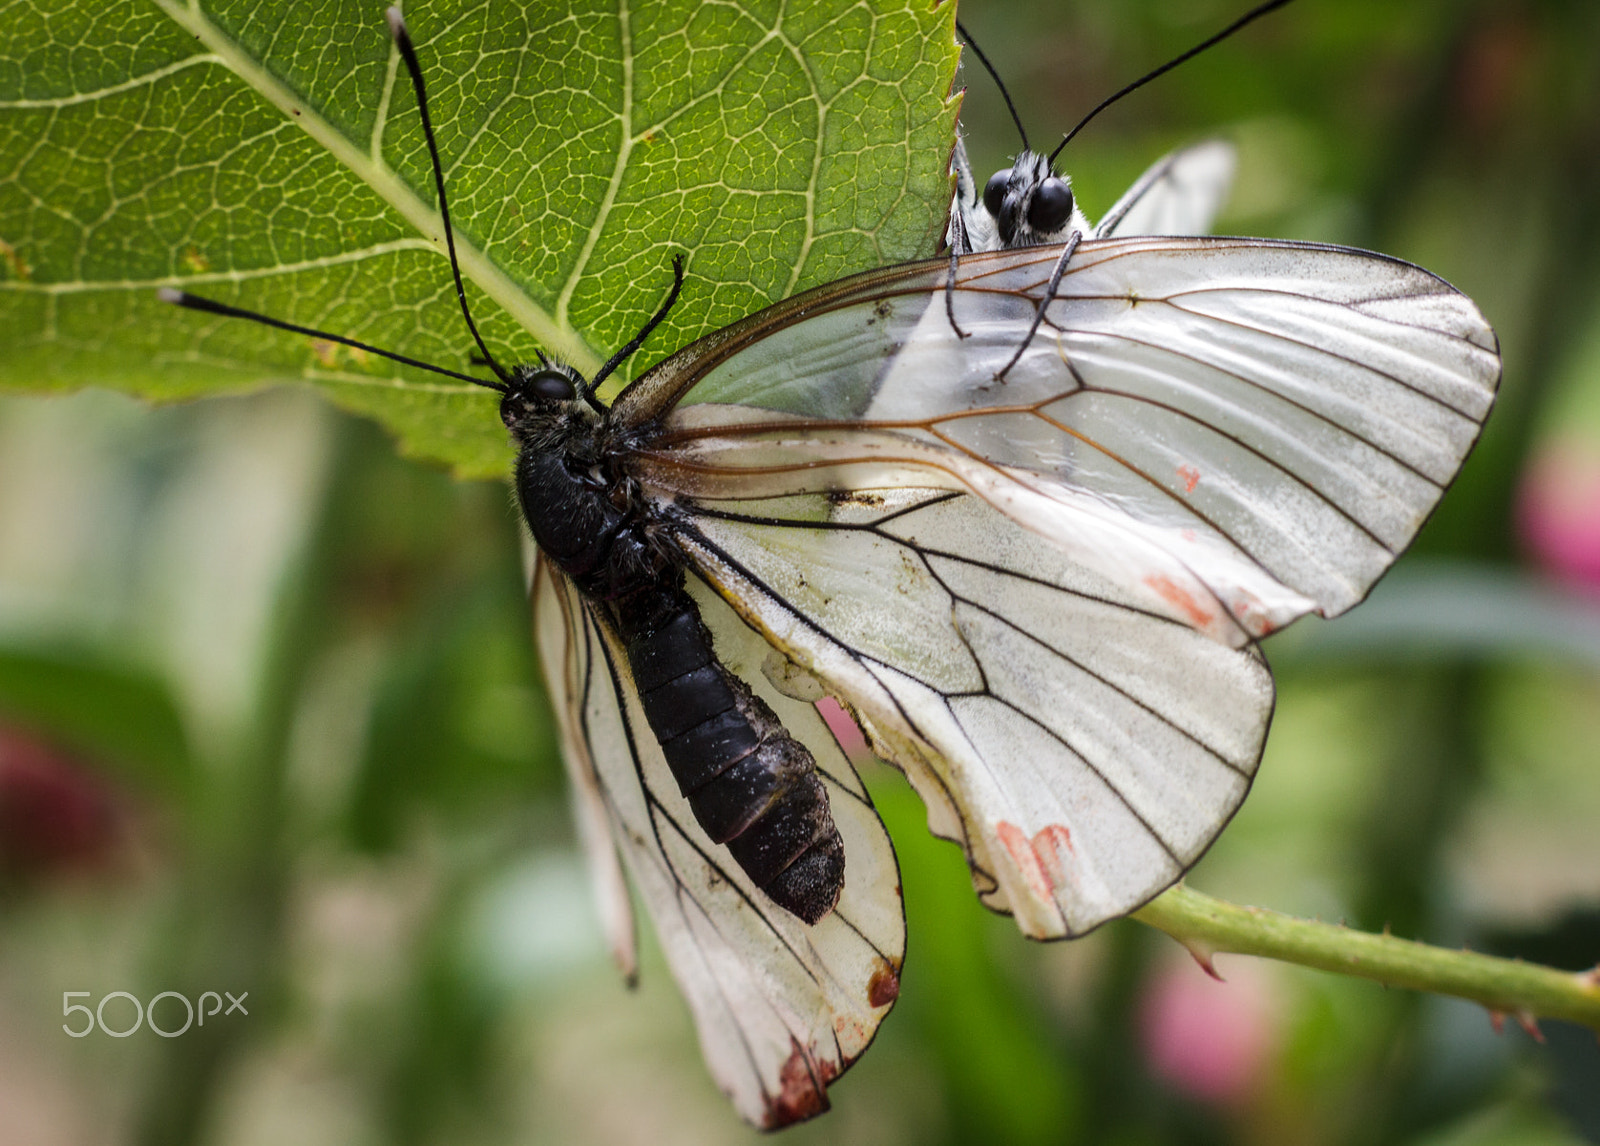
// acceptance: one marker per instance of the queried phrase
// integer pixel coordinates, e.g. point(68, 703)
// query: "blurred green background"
point(270, 721)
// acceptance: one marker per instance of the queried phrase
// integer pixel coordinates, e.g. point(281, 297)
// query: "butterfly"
point(1028, 204)
point(1031, 204)
point(1031, 557)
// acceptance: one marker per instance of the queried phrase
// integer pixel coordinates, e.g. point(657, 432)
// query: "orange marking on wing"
point(1056, 836)
point(849, 1030)
point(1021, 848)
point(1180, 598)
point(1053, 845)
point(1252, 614)
point(1190, 476)
point(803, 1088)
point(884, 986)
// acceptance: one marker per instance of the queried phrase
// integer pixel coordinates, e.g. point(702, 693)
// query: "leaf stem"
point(1527, 991)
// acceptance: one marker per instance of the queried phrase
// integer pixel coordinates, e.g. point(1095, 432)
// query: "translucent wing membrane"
point(1180, 194)
point(781, 1008)
point(1083, 751)
point(1243, 431)
point(1212, 436)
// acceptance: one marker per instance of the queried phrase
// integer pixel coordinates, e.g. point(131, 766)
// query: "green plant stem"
point(1207, 926)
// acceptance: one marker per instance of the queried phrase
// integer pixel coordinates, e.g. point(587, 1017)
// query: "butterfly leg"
point(950, 287)
point(1044, 300)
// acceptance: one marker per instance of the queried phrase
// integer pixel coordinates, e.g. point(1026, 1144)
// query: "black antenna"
point(402, 39)
point(998, 82)
point(1249, 17)
point(210, 306)
point(638, 339)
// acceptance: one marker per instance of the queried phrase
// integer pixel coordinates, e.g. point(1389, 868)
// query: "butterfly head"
point(1031, 204)
point(540, 393)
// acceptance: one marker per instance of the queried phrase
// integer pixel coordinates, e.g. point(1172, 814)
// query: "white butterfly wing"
point(971, 227)
point(781, 1008)
point(1209, 435)
point(1181, 194)
point(1083, 751)
point(1240, 431)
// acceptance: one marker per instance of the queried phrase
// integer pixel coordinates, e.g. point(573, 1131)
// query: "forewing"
point(1237, 432)
point(971, 227)
point(1180, 194)
point(1082, 750)
point(781, 1008)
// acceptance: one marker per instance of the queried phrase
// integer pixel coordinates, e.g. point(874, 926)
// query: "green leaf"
point(270, 155)
point(1432, 611)
point(118, 714)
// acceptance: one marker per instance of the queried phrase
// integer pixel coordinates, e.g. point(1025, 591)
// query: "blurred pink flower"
point(55, 815)
point(1495, 71)
point(1558, 513)
point(843, 727)
point(1212, 1040)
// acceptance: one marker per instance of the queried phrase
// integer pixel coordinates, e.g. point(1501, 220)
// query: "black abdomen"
point(751, 785)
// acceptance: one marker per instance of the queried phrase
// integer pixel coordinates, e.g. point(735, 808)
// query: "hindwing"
point(1180, 194)
point(781, 1008)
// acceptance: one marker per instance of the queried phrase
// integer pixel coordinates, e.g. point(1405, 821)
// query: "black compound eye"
point(994, 192)
point(1051, 206)
point(552, 385)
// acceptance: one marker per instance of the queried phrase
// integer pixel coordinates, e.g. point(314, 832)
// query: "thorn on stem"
point(1497, 1020)
point(1528, 1022)
point(1202, 954)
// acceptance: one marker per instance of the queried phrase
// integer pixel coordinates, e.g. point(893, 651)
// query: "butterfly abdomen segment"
point(750, 784)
